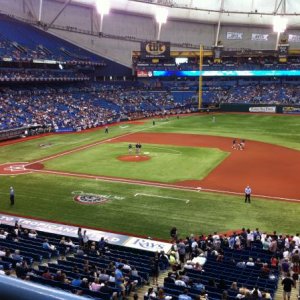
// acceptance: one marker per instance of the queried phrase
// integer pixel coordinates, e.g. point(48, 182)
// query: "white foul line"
point(156, 184)
point(157, 196)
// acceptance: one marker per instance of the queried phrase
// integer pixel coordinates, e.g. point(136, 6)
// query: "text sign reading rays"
point(253, 73)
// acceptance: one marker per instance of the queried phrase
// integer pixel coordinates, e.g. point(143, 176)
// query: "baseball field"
point(186, 175)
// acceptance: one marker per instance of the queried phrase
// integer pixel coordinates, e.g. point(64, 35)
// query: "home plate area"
point(14, 168)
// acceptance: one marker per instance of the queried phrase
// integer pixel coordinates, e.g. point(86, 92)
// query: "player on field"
point(242, 145)
point(139, 148)
point(234, 144)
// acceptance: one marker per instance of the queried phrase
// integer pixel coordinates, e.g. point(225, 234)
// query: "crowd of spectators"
point(235, 91)
point(56, 109)
point(284, 256)
point(257, 94)
point(189, 253)
point(92, 105)
point(40, 76)
point(118, 278)
point(15, 52)
point(81, 109)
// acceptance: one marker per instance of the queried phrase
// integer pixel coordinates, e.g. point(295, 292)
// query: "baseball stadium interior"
point(78, 75)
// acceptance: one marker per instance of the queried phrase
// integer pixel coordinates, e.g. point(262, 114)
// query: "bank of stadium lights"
point(279, 24)
point(103, 8)
point(161, 16)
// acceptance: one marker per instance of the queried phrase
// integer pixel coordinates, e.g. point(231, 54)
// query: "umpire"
point(248, 192)
point(12, 196)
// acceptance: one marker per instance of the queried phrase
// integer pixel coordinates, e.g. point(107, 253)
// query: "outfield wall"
point(260, 108)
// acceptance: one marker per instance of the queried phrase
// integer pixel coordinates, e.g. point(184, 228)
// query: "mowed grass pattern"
point(33, 149)
point(275, 129)
point(50, 197)
point(167, 163)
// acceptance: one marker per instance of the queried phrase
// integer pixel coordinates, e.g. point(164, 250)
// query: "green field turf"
point(50, 197)
point(280, 130)
point(167, 163)
point(32, 150)
point(275, 129)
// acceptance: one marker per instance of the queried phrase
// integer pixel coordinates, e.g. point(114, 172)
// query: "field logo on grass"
point(90, 198)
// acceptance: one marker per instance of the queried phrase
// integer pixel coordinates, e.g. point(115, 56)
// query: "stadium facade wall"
point(117, 23)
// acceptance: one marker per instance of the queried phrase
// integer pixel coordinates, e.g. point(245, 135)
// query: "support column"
point(40, 11)
point(219, 22)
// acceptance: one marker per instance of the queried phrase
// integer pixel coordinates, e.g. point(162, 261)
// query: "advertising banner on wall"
point(144, 73)
point(294, 38)
point(234, 35)
point(263, 109)
point(248, 73)
point(94, 235)
point(291, 110)
point(283, 50)
point(155, 49)
point(259, 37)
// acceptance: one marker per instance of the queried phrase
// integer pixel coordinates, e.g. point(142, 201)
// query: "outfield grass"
point(281, 130)
point(50, 197)
point(275, 129)
point(167, 163)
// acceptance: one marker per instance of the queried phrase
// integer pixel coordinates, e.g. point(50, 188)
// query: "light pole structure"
point(161, 16)
point(103, 8)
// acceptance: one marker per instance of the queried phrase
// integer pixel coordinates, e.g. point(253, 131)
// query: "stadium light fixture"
point(161, 16)
point(103, 8)
point(279, 24)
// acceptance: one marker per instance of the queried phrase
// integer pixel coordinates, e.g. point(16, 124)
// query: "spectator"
point(185, 295)
point(47, 246)
point(287, 283)
point(105, 288)
point(47, 275)
point(76, 282)
point(150, 294)
point(16, 255)
point(32, 234)
point(85, 240)
point(84, 283)
point(119, 280)
point(95, 285)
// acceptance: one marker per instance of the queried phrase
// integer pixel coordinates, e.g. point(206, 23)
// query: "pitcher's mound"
point(133, 158)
